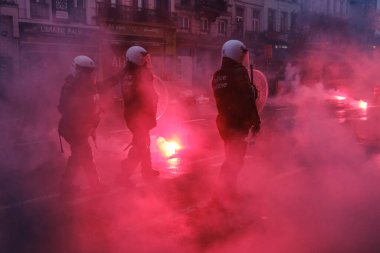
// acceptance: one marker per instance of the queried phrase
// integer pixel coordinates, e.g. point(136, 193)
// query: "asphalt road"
point(300, 191)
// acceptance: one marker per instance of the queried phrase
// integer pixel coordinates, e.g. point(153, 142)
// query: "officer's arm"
point(107, 84)
point(249, 95)
point(256, 119)
point(63, 100)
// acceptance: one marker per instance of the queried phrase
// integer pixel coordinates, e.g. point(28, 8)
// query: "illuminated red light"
point(167, 148)
point(173, 164)
point(362, 105)
point(340, 98)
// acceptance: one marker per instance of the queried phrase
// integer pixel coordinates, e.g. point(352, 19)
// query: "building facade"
point(202, 28)
point(184, 36)
point(9, 34)
point(148, 23)
point(248, 24)
point(335, 8)
point(44, 34)
point(36, 34)
point(328, 23)
point(264, 26)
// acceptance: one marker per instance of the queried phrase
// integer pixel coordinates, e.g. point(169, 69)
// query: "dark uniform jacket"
point(235, 98)
point(79, 109)
point(139, 96)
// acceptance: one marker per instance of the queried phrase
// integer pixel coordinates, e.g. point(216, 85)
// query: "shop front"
point(158, 40)
point(49, 49)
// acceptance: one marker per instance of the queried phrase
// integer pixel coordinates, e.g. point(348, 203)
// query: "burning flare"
point(167, 148)
point(340, 98)
point(362, 105)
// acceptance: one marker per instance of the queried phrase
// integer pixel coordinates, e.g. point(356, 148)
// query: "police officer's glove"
point(255, 129)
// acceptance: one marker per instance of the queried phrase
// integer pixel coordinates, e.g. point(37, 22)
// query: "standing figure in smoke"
point(80, 118)
point(235, 99)
point(140, 107)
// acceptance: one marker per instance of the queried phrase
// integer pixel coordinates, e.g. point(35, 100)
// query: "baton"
point(128, 146)
point(251, 72)
point(60, 143)
point(253, 81)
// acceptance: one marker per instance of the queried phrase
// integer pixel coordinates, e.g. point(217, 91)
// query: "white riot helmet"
point(137, 55)
point(236, 50)
point(82, 65)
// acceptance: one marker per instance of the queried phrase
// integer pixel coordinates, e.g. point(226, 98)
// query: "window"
point(239, 14)
point(342, 7)
point(184, 23)
point(78, 12)
point(162, 6)
point(79, 3)
point(113, 3)
point(271, 20)
point(239, 29)
point(328, 7)
point(142, 4)
point(185, 2)
point(256, 20)
point(40, 8)
point(204, 25)
point(338, 7)
point(222, 26)
point(6, 27)
point(323, 6)
point(335, 7)
point(314, 6)
point(284, 22)
point(293, 21)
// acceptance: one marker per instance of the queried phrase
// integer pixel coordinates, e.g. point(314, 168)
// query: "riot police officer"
point(140, 107)
point(79, 120)
point(235, 98)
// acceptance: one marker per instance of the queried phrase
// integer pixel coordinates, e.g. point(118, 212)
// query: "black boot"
point(150, 174)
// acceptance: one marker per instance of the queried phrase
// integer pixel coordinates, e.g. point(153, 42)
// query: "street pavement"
point(293, 196)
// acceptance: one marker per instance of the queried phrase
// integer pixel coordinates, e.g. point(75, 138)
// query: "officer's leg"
point(87, 162)
point(72, 168)
point(146, 160)
point(129, 165)
point(235, 153)
point(235, 149)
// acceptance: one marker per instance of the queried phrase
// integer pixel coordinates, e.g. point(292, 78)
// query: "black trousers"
point(81, 158)
point(138, 154)
point(235, 147)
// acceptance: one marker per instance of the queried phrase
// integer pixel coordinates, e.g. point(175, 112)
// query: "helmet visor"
point(245, 58)
point(85, 70)
point(147, 60)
